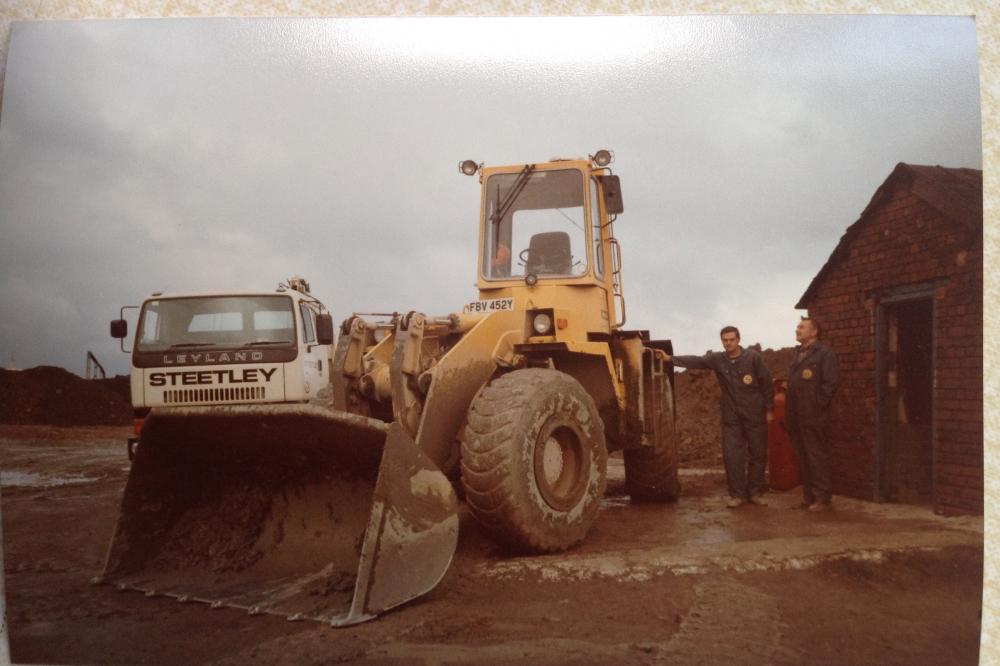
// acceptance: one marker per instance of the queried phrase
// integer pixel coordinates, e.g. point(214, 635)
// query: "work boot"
point(735, 502)
point(821, 506)
point(803, 505)
point(758, 499)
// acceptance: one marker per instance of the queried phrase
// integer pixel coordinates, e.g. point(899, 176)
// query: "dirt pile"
point(48, 395)
point(53, 396)
point(698, 409)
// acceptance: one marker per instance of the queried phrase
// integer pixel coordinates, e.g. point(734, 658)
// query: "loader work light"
point(542, 323)
point(603, 158)
point(468, 167)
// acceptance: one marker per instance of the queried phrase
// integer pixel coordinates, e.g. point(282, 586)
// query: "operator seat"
point(549, 254)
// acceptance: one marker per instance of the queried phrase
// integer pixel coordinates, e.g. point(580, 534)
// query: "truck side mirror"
point(119, 328)
point(324, 329)
point(612, 194)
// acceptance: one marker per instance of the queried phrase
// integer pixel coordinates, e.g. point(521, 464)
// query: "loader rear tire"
point(651, 471)
point(534, 462)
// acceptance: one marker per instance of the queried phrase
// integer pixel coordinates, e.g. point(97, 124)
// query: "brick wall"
point(902, 240)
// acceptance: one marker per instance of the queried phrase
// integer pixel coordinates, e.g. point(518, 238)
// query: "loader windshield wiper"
point(179, 345)
point(513, 194)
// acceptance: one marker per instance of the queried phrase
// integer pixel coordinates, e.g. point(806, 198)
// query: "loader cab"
point(535, 224)
point(547, 225)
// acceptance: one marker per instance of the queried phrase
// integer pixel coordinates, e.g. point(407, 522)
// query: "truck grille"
point(213, 395)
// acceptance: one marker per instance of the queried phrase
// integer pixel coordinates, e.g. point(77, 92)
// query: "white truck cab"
point(223, 348)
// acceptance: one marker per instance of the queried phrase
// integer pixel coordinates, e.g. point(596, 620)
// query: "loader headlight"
point(542, 323)
point(468, 167)
point(603, 158)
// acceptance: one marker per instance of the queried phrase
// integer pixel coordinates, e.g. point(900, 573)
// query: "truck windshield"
point(535, 224)
point(216, 321)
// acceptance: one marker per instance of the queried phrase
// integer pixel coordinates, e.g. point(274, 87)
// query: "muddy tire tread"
point(651, 473)
point(488, 458)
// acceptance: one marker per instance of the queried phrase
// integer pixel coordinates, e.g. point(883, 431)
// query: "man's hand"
point(668, 357)
point(502, 257)
point(770, 416)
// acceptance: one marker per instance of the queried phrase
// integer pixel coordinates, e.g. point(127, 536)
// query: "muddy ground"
point(691, 583)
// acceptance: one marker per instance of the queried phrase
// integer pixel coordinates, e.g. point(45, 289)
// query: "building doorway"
point(906, 401)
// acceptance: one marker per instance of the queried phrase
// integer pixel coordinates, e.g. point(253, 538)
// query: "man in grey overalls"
point(747, 401)
point(812, 381)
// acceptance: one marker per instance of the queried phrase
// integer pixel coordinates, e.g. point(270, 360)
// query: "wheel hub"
point(552, 460)
point(560, 467)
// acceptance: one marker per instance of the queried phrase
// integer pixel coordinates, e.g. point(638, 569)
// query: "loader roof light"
point(469, 167)
point(603, 157)
point(531, 279)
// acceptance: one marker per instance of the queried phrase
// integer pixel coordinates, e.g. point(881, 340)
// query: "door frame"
point(889, 297)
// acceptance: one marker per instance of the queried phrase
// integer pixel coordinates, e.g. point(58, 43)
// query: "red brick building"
point(901, 303)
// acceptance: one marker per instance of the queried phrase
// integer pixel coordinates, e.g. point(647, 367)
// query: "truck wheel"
point(651, 471)
point(534, 460)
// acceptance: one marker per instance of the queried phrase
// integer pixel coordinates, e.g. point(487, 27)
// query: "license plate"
point(489, 305)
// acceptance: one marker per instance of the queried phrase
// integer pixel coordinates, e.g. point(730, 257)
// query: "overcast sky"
point(163, 155)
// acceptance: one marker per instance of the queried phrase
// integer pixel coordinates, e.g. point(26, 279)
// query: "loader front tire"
point(534, 461)
point(651, 471)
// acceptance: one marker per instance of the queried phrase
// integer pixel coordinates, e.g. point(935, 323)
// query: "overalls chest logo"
point(747, 379)
point(807, 373)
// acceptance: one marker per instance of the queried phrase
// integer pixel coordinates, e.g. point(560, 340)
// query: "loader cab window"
point(216, 322)
point(595, 229)
point(535, 224)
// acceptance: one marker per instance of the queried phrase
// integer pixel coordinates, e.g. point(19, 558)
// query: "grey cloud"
point(197, 154)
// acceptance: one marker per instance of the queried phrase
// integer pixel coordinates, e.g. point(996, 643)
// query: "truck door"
point(315, 373)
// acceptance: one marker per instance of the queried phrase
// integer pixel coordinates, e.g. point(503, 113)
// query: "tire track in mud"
point(730, 623)
point(541, 651)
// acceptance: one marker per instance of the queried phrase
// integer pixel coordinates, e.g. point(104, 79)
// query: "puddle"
point(701, 471)
point(615, 502)
point(33, 480)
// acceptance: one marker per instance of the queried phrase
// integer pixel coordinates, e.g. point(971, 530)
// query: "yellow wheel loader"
point(521, 395)
point(337, 505)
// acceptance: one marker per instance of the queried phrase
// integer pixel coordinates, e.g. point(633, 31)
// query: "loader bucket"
point(293, 510)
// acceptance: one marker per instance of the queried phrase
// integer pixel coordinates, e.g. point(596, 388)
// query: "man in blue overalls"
point(747, 401)
point(812, 381)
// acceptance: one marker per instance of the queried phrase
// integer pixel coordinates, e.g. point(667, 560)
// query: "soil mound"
point(47, 395)
point(698, 423)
